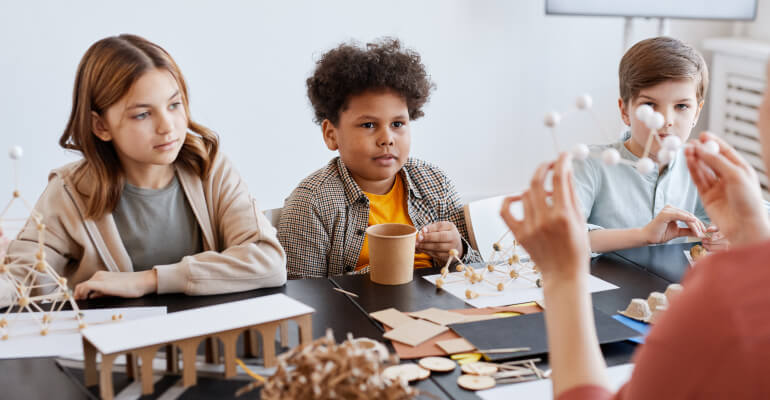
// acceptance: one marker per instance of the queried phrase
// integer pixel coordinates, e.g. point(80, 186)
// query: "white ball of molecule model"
point(665, 156)
point(610, 157)
point(16, 153)
point(643, 112)
point(645, 165)
point(655, 121)
point(711, 147)
point(584, 102)
point(672, 143)
point(552, 119)
point(580, 151)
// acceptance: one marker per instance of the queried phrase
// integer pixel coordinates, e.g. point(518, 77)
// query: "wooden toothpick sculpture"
point(504, 267)
point(324, 369)
point(41, 283)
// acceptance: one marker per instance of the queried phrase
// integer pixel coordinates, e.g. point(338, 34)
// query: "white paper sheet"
point(518, 291)
point(111, 339)
point(689, 257)
point(63, 338)
point(542, 389)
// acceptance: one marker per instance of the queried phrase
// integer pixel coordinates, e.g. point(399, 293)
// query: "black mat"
point(529, 331)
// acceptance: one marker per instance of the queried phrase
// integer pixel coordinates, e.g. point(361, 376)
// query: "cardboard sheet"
point(455, 346)
point(430, 348)
point(64, 337)
point(415, 332)
point(529, 331)
point(391, 317)
point(439, 316)
point(642, 327)
point(111, 339)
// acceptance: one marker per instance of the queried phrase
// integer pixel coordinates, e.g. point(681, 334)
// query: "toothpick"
point(505, 350)
point(345, 292)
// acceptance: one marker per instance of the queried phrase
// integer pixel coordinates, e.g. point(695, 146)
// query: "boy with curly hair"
point(364, 100)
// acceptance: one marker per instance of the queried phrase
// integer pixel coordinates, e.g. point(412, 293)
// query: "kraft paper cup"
point(672, 291)
point(391, 253)
point(657, 299)
point(638, 309)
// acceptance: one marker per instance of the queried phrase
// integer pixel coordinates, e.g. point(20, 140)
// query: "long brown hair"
point(105, 74)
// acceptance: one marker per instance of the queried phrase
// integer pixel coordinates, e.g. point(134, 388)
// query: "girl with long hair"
point(153, 206)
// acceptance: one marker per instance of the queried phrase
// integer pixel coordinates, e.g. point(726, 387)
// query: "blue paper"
point(639, 326)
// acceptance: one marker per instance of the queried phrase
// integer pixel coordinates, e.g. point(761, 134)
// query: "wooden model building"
point(141, 339)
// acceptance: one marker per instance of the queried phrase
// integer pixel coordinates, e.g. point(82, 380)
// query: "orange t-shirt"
point(390, 208)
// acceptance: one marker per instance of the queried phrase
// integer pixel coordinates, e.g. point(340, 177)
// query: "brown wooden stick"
point(345, 292)
point(504, 350)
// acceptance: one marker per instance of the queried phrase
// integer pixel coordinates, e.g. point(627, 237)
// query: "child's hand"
point(664, 226)
point(717, 241)
point(729, 189)
point(437, 239)
point(120, 284)
point(553, 232)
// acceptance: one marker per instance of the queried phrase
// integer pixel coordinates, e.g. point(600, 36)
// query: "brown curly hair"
point(349, 70)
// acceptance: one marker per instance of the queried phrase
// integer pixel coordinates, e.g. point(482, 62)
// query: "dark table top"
point(666, 261)
point(637, 272)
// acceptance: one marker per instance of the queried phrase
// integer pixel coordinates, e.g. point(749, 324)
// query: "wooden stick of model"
point(185, 330)
point(41, 283)
point(504, 263)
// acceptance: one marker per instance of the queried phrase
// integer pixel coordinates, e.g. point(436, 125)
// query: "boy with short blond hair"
point(364, 99)
point(625, 208)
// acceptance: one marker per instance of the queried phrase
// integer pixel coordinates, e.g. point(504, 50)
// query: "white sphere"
point(711, 147)
point(655, 121)
point(584, 102)
point(645, 165)
point(580, 151)
point(610, 157)
point(16, 153)
point(643, 112)
point(552, 119)
point(665, 156)
point(672, 142)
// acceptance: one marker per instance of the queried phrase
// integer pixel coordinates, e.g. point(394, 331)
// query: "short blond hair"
point(656, 60)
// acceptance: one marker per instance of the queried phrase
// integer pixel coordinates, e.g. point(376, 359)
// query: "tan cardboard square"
point(391, 317)
point(454, 346)
point(415, 332)
point(439, 316)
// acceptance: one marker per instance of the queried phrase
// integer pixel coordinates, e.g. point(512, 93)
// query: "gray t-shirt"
point(157, 226)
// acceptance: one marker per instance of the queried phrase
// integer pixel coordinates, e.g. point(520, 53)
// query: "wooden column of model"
point(141, 343)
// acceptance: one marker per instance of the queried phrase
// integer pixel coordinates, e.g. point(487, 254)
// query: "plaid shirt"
point(324, 220)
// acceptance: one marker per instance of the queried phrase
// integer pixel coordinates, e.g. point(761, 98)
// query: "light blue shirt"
point(619, 197)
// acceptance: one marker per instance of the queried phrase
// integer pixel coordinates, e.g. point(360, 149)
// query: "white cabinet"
point(737, 85)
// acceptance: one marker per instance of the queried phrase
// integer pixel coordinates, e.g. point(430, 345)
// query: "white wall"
point(759, 28)
point(499, 65)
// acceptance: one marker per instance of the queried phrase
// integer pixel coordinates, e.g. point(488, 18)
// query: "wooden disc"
point(479, 368)
point(437, 364)
point(475, 382)
point(407, 372)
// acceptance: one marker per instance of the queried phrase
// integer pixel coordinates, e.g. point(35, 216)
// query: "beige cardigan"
point(240, 247)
